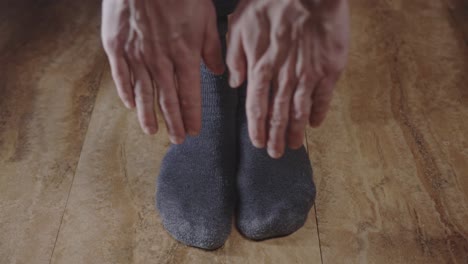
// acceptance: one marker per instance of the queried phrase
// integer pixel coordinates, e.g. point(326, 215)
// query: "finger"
point(113, 39)
point(278, 123)
point(144, 98)
point(300, 111)
point(260, 70)
point(121, 76)
point(235, 59)
point(212, 53)
point(163, 72)
point(280, 50)
point(301, 103)
point(136, 49)
point(258, 92)
point(321, 100)
point(187, 69)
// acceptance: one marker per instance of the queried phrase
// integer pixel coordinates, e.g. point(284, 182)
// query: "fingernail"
point(176, 140)
point(193, 133)
point(258, 144)
point(127, 105)
point(151, 130)
point(234, 80)
point(274, 154)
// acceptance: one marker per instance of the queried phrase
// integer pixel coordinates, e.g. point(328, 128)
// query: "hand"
point(154, 49)
point(292, 53)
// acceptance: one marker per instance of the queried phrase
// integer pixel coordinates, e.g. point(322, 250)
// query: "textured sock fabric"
point(196, 185)
point(274, 195)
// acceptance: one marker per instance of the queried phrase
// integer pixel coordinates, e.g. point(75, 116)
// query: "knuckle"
point(301, 115)
point(141, 100)
point(256, 114)
point(143, 91)
point(133, 53)
point(263, 69)
point(278, 122)
point(259, 92)
point(281, 31)
point(301, 94)
point(263, 80)
point(168, 105)
point(282, 101)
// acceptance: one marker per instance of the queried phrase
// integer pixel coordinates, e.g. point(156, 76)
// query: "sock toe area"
point(193, 218)
point(201, 234)
point(277, 221)
point(195, 204)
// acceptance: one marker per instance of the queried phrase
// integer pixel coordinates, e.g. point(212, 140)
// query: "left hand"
point(160, 44)
point(296, 48)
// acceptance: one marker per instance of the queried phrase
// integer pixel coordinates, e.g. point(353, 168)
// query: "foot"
point(274, 195)
point(196, 185)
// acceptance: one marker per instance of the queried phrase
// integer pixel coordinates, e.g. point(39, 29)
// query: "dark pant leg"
point(224, 7)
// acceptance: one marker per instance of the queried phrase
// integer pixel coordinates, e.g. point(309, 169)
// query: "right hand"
point(292, 53)
point(155, 48)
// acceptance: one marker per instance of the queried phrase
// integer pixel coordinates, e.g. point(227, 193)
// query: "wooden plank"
point(111, 218)
point(391, 159)
point(51, 63)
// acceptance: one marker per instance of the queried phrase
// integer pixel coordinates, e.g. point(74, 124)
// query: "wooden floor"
point(77, 176)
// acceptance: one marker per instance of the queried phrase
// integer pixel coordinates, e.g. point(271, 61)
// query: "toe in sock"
point(196, 185)
point(274, 195)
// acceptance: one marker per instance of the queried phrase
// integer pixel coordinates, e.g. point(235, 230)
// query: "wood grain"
point(392, 157)
point(77, 176)
point(50, 72)
point(110, 217)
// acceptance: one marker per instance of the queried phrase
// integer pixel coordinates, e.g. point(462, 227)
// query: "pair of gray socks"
point(219, 173)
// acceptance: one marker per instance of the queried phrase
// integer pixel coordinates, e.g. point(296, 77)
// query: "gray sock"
point(274, 195)
point(196, 185)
